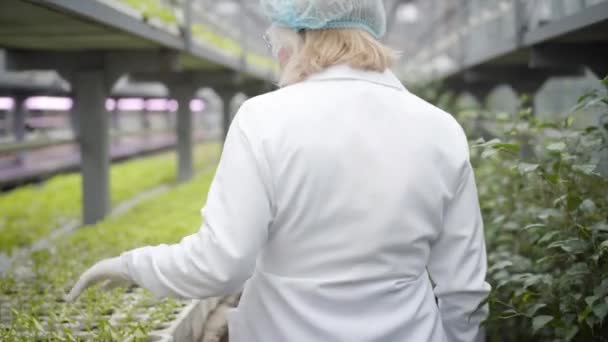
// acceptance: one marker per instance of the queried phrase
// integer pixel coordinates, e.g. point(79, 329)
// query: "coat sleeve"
point(458, 263)
point(222, 255)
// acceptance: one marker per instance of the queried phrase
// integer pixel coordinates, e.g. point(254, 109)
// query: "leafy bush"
point(32, 212)
point(31, 305)
point(545, 207)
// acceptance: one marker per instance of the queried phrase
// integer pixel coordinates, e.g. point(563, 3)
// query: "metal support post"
point(480, 94)
point(188, 23)
point(90, 93)
point(75, 120)
point(116, 122)
point(226, 97)
point(146, 125)
point(463, 19)
point(519, 10)
point(168, 118)
point(19, 118)
point(184, 93)
point(183, 86)
point(557, 9)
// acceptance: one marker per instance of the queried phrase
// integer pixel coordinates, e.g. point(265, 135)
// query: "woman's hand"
point(111, 272)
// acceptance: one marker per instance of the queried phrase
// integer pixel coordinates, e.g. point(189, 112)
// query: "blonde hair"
point(314, 50)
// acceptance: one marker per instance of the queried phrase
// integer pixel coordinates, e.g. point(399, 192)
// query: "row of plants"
point(154, 9)
point(31, 212)
point(165, 12)
point(207, 35)
point(31, 293)
point(543, 190)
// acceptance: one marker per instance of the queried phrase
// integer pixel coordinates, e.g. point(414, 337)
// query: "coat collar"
point(346, 73)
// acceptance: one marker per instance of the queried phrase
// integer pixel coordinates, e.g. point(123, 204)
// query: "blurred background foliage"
point(544, 196)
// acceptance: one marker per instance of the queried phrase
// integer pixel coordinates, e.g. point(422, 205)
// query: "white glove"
point(112, 272)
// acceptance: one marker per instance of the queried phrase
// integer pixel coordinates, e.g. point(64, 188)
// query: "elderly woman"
point(336, 201)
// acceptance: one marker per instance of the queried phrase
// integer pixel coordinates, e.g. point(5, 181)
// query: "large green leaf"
point(534, 308)
point(573, 245)
point(571, 332)
point(527, 168)
point(539, 322)
point(600, 310)
point(587, 169)
point(506, 147)
point(557, 146)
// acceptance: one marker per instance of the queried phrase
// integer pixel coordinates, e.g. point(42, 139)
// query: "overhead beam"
point(498, 73)
point(112, 61)
point(210, 78)
point(481, 80)
point(559, 55)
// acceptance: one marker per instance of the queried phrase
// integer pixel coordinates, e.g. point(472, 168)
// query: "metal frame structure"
point(91, 44)
point(116, 16)
point(123, 20)
point(476, 45)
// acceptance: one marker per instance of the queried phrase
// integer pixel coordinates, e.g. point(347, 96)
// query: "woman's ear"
point(284, 55)
point(284, 42)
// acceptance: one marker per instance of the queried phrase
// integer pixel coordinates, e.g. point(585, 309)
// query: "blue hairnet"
point(368, 15)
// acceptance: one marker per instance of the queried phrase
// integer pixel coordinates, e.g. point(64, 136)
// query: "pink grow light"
point(6, 103)
point(197, 106)
point(157, 105)
point(173, 106)
point(131, 104)
point(110, 105)
point(49, 103)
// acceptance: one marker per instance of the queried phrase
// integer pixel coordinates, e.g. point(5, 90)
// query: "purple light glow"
point(49, 103)
point(197, 106)
point(131, 104)
point(110, 105)
point(157, 105)
point(164, 105)
point(6, 103)
point(52, 103)
point(173, 106)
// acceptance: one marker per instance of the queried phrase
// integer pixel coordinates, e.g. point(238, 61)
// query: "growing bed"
point(32, 212)
point(31, 293)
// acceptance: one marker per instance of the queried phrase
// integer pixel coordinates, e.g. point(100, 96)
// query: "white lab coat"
point(334, 201)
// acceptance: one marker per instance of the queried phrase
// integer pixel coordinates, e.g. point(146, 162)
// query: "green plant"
point(32, 212)
point(545, 209)
point(206, 34)
point(154, 9)
point(31, 304)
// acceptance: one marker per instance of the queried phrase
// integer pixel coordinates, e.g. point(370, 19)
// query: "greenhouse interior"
point(114, 115)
